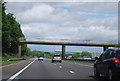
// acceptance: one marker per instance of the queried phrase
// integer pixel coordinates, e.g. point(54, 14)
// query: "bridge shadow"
point(102, 78)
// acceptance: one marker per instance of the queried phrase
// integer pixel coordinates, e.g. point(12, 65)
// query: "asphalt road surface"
point(37, 70)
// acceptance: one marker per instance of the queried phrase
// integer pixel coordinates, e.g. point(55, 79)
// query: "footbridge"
point(64, 43)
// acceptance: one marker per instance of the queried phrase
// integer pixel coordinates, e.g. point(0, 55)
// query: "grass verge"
point(80, 62)
point(6, 58)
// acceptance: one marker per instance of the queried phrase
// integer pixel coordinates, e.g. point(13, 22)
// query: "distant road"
point(47, 70)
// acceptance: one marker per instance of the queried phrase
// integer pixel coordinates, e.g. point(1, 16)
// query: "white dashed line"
point(60, 66)
point(71, 72)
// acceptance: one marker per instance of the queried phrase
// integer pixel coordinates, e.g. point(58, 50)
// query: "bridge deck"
point(66, 43)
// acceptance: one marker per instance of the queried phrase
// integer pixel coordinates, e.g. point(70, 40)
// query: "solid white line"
point(11, 78)
point(71, 72)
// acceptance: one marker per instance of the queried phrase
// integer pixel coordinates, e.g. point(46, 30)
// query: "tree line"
point(84, 53)
point(41, 54)
point(11, 32)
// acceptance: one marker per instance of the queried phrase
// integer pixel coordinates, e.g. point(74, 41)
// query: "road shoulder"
point(9, 70)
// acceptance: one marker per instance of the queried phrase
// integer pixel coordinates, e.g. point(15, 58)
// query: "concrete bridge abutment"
point(19, 51)
point(105, 48)
point(63, 52)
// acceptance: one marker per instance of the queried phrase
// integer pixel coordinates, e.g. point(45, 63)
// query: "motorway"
point(41, 70)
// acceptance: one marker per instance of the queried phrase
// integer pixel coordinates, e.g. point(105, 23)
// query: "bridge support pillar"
point(105, 48)
point(63, 52)
point(19, 51)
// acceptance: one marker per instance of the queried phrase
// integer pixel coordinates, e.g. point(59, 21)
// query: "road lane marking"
point(55, 64)
point(15, 75)
point(71, 72)
point(60, 66)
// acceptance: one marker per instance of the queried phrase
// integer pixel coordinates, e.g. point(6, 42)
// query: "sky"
point(73, 21)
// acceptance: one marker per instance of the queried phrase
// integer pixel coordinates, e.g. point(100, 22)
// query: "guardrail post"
point(63, 52)
point(19, 51)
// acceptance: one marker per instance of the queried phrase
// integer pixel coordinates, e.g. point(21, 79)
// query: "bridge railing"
point(82, 41)
point(74, 41)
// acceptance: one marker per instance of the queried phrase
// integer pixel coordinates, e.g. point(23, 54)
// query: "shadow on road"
point(102, 78)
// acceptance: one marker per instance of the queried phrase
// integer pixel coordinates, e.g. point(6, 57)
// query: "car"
point(86, 58)
point(108, 64)
point(57, 58)
point(40, 58)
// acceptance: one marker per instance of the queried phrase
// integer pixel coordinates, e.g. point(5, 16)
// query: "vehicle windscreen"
point(118, 53)
point(56, 55)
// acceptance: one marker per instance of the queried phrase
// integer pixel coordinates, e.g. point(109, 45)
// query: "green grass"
point(80, 62)
point(5, 59)
point(8, 62)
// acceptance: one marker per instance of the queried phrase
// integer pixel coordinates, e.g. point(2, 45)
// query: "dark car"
point(108, 64)
point(56, 58)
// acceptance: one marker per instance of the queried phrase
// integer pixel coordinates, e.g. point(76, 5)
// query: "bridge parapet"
point(81, 41)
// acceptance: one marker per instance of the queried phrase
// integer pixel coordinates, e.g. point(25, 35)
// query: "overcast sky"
point(66, 20)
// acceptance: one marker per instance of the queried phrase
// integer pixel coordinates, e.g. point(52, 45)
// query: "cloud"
point(53, 21)
point(36, 13)
point(50, 31)
point(67, 20)
point(61, 1)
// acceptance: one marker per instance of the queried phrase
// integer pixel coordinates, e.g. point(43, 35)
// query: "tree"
point(11, 32)
point(85, 53)
point(36, 53)
point(1, 18)
point(66, 55)
point(117, 46)
point(47, 52)
point(76, 55)
point(25, 50)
